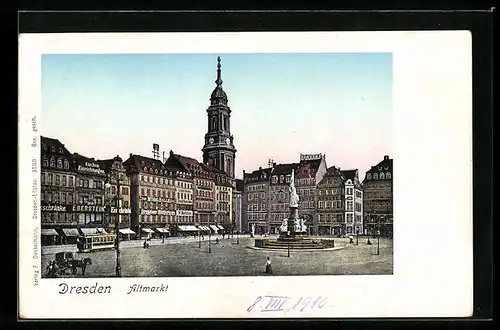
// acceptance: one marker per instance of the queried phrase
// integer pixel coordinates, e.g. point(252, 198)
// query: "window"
point(66, 164)
point(349, 206)
point(282, 178)
point(52, 149)
point(86, 182)
point(288, 178)
point(45, 161)
point(70, 182)
point(42, 176)
point(52, 162)
point(50, 176)
point(349, 191)
point(375, 176)
point(349, 218)
point(64, 180)
point(388, 175)
point(59, 163)
point(368, 176)
point(381, 176)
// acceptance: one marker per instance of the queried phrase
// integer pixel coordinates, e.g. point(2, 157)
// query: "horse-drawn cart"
point(64, 261)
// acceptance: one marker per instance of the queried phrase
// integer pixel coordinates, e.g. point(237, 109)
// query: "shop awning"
point(127, 231)
point(101, 231)
point(49, 232)
point(163, 230)
point(89, 231)
point(214, 227)
point(220, 227)
point(147, 230)
point(204, 228)
point(188, 228)
point(70, 232)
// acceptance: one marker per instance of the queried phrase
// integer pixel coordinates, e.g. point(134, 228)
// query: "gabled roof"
point(50, 142)
point(138, 163)
point(383, 166)
point(284, 169)
point(350, 174)
point(257, 175)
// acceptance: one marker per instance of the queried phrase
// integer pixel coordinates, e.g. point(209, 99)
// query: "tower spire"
point(219, 80)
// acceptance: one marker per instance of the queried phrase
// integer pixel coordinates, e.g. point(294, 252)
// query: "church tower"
point(219, 150)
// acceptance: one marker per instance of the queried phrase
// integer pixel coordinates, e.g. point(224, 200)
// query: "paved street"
point(183, 257)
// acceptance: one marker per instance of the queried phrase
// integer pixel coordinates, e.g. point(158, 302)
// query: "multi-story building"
point(58, 220)
point(237, 205)
point(330, 204)
point(312, 168)
point(218, 149)
point(223, 202)
point(89, 203)
point(353, 202)
point(185, 218)
point(152, 190)
point(378, 198)
point(117, 203)
point(279, 195)
point(255, 203)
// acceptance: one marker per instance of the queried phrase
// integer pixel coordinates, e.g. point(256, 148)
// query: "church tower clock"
point(219, 150)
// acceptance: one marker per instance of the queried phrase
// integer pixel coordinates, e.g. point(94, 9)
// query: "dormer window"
point(59, 163)
point(52, 149)
point(60, 150)
point(44, 147)
point(52, 162)
point(375, 176)
point(388, 175)
point(282, 178)
point(45, 161)
point(288, 178)
point(275, 179)
point(382, 177)
point(368, 176)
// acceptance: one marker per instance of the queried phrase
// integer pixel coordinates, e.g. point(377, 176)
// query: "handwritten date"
point(286, 304)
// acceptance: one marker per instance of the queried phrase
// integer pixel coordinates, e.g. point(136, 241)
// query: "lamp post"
point(357, 234)
point(209, 237)
point(237, 237)
point(199, 236)
point(163, 239)
point(118, 269)
point(368, 242)
point(378, 236)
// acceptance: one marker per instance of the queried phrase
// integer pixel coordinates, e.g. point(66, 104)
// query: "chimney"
point(243, 172)
point(274, 165)
point(171, 153)
point(386, 157)
point(260, 168)
point(131, 154)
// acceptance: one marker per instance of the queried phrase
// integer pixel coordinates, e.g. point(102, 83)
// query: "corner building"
point(57, 179)
point(353, 202)
point(330, 208)
point(378, 198)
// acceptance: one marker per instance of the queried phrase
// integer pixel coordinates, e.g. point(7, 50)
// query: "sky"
point(337, 104)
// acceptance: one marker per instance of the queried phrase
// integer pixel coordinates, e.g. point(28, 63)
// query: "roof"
point(350, 174)
point(50, 142)
point(140, 163)
point(257, 175)
point(284, 169)
point(384, 165)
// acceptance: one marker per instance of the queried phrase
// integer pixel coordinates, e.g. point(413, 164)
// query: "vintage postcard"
point(245, 175)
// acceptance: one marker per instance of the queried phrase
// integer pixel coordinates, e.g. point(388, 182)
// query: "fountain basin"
point(295, 243)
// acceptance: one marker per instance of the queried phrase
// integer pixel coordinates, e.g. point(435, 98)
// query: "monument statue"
point(294, 198)
point(300, 227)
point(284, 226)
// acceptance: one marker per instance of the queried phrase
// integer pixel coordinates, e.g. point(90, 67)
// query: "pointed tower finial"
point(219, 80)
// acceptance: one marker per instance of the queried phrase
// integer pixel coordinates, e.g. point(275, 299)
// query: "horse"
point(80, 264)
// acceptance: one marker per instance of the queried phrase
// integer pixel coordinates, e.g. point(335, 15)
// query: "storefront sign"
point(157, 199)
point(54, 208)
point(184, 212)
point(88, 208)
point(159, 212)
point(91, 168)
point(122, 210)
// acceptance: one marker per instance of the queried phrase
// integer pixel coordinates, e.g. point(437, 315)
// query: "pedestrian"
point(351, 239)
point(269, 269)
point(145, 244)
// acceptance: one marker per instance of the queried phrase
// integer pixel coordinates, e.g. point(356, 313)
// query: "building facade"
point(117, 202)
point(279, 195)
point(237, 205)
point(218, 150)
point(89, 203)
point(312, 168)
point(152, 191)
point(353, 202)
point(378, 198)
point(255, 203)
point(330, 204)
point(57, 178)
point(223, 201)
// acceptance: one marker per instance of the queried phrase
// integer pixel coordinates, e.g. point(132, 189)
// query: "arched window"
point(52, 162)
point(214, 123)
point(382, 177)
point(375, 176)
point(388, 175)
point(60, 150)
point(368, 176)
point(282, 178)
point(52, 149)
point(44, 147)
point(45, 161)
point(66, 164)
point(59, 163)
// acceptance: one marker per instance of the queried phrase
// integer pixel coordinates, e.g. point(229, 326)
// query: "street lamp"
point(199, 236)
point(118, 270)
point(237, 237)
point(371, 228)
point(164, 228)
point(357, 234)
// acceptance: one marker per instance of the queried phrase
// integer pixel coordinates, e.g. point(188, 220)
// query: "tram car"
point(91, 243)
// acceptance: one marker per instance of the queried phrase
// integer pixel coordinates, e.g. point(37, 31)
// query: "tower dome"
point(218, 95)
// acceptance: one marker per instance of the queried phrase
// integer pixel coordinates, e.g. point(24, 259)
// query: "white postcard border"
point(432, 186)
